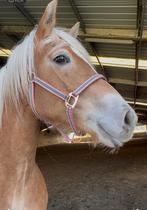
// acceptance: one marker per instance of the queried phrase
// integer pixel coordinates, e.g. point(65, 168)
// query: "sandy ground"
point(80, 178)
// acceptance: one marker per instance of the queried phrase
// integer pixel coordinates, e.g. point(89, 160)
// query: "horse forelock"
point(75, 45)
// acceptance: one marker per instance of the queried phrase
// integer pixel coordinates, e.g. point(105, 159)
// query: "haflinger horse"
point(49, 77)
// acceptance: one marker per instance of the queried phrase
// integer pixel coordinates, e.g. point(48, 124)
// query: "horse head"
point(64, 88)
point(62, 61)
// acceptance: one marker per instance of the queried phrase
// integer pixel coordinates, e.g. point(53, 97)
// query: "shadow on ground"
point(81, 178)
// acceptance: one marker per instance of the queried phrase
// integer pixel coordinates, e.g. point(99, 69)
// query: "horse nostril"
point(127, 119)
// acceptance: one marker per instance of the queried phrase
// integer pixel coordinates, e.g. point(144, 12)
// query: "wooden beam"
point(138, 100)
point(127, 82)
point(15, 29)
point(101, 33)
point(107, 33)
point(25, 13)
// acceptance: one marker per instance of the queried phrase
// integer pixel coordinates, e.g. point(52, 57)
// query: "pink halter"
point(70, 99)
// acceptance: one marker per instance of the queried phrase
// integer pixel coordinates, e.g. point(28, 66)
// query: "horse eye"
point(62, 59)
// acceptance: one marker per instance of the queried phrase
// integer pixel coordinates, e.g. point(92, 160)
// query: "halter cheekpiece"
point(70, 99)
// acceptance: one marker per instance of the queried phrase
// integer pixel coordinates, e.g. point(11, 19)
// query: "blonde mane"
point(14, 75)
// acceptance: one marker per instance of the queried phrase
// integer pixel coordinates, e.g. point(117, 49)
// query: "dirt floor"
point(80, 178)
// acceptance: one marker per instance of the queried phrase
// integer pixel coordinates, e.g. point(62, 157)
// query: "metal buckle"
point(31, 77)
point(71, 100)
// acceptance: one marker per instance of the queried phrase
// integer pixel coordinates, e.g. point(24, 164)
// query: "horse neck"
point(18, 142)
point(18, 134)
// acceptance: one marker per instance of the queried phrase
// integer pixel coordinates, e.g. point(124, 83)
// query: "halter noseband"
point(70, 99)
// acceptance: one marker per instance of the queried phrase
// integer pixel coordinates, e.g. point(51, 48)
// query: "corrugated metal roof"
point(143, 51)
point(106, 13)
point(127, 91)
point(116, 50)
point(9, 15)
point(145, 18)
point(6, 42)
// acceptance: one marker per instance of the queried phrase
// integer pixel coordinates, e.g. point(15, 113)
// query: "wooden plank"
point(100, 33)
point(127, 82)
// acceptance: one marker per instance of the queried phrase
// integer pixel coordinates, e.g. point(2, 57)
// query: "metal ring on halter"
point(71, 100)
point(31, 77)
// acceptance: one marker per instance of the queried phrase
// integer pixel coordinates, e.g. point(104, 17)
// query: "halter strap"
point(70, 99)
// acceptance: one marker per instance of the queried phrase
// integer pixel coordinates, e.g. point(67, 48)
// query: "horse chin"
point(104, 139)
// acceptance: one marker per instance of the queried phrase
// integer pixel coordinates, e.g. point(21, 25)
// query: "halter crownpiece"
point(70, 99)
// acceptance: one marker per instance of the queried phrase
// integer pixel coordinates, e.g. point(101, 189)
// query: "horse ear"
point(74, 31)
point(47, 21)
